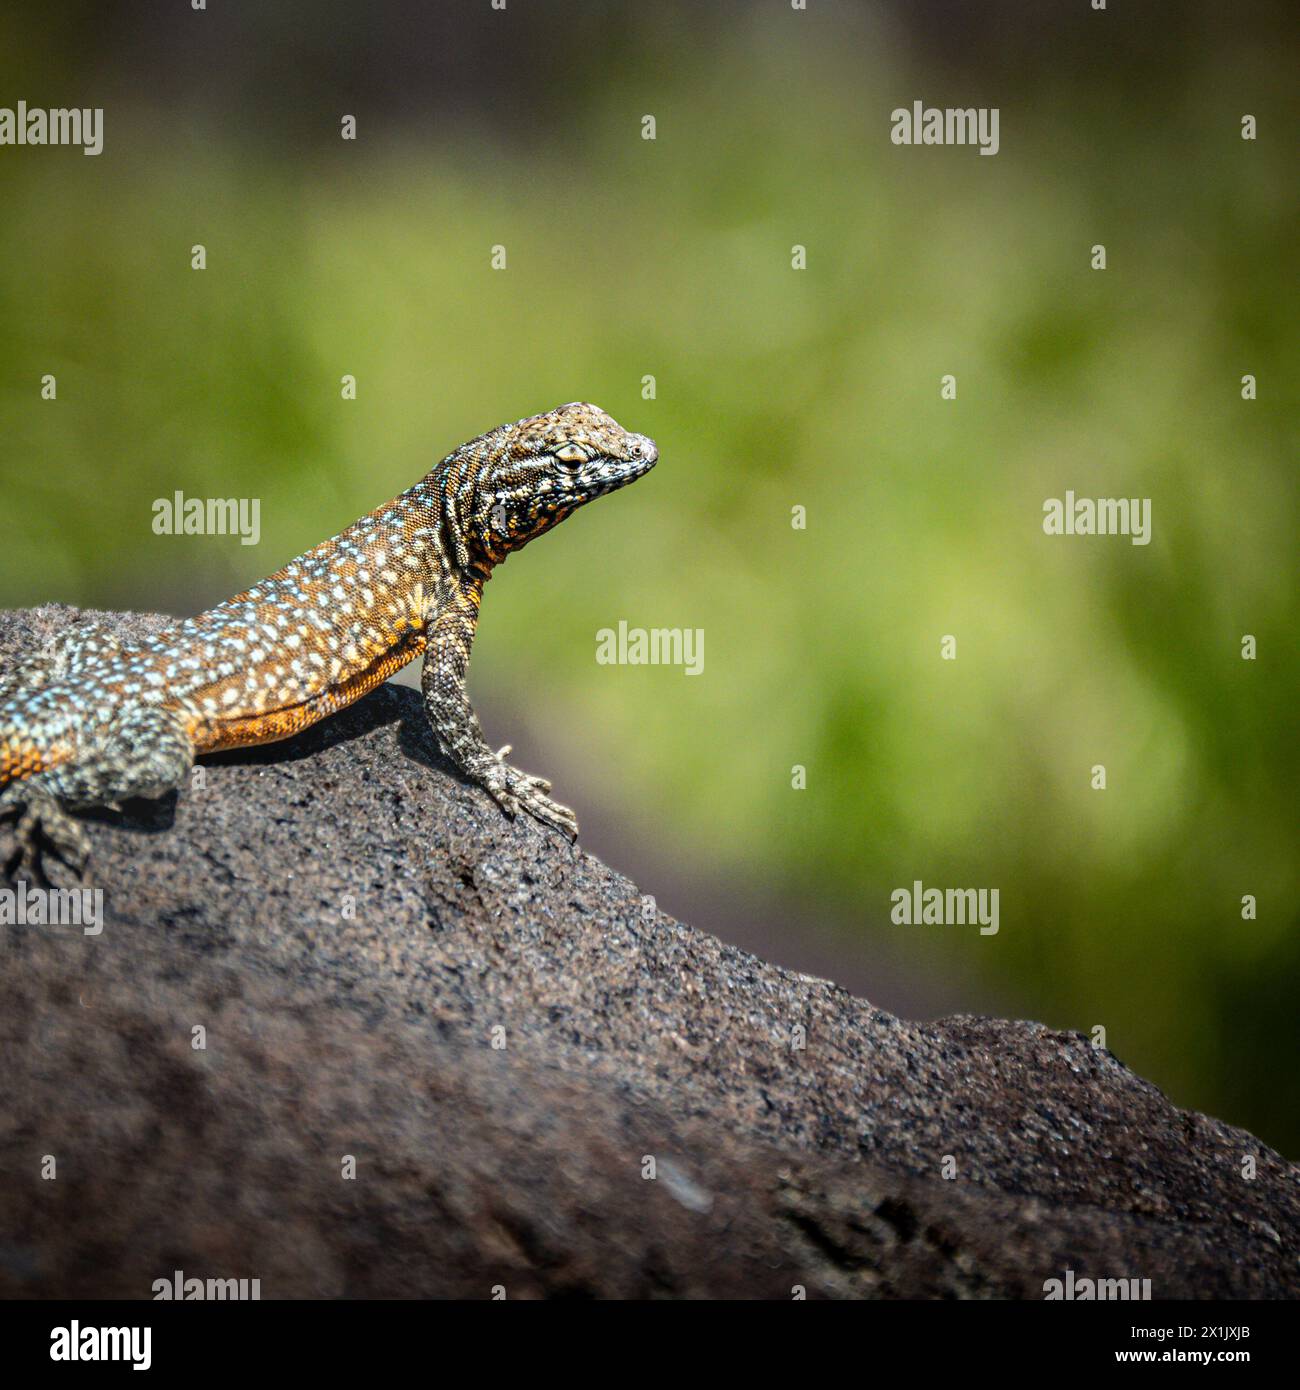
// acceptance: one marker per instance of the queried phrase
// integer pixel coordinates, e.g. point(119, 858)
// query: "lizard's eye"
point(572, 454)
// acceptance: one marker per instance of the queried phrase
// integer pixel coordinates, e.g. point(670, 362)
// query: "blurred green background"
point(775, 388)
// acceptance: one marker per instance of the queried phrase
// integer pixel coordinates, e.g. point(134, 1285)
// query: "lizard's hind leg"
point(41, 829)
point(68, 652)
point(144, 751)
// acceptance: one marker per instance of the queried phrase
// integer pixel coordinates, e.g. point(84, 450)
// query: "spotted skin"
point(93, 721)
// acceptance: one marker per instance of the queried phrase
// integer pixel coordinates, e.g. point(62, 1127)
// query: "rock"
point(353, 926)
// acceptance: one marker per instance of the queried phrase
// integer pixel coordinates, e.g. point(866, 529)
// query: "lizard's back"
point(318, 634)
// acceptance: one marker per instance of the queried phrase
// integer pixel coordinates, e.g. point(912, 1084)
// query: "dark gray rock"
point(350, 923)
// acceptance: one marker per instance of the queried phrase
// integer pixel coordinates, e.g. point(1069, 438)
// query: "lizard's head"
point(536, 472)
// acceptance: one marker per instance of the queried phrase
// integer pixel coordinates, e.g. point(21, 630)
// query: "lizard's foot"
point(42, 830)
point(514, 790)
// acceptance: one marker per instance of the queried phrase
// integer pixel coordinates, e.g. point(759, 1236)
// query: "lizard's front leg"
point(446, 664)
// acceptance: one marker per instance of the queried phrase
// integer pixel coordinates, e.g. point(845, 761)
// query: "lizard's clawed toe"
point(551, 813)
point(43, 833)
point(514, 791)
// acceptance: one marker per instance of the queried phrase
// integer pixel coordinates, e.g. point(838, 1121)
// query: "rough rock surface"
point(354, 926)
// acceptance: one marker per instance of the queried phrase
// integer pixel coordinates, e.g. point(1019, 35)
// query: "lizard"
point(93, 720)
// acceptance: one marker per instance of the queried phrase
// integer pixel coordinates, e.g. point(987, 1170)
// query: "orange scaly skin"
point(91, 721)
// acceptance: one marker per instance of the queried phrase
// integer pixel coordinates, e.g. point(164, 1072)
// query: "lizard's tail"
point(17, 759)
point(22, 755)
point(34, 734)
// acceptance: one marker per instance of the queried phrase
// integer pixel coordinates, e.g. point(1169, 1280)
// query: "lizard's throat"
point(498, 536)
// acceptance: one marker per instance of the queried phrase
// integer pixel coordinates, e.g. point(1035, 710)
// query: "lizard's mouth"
point(616, 473)
point(518, 517)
